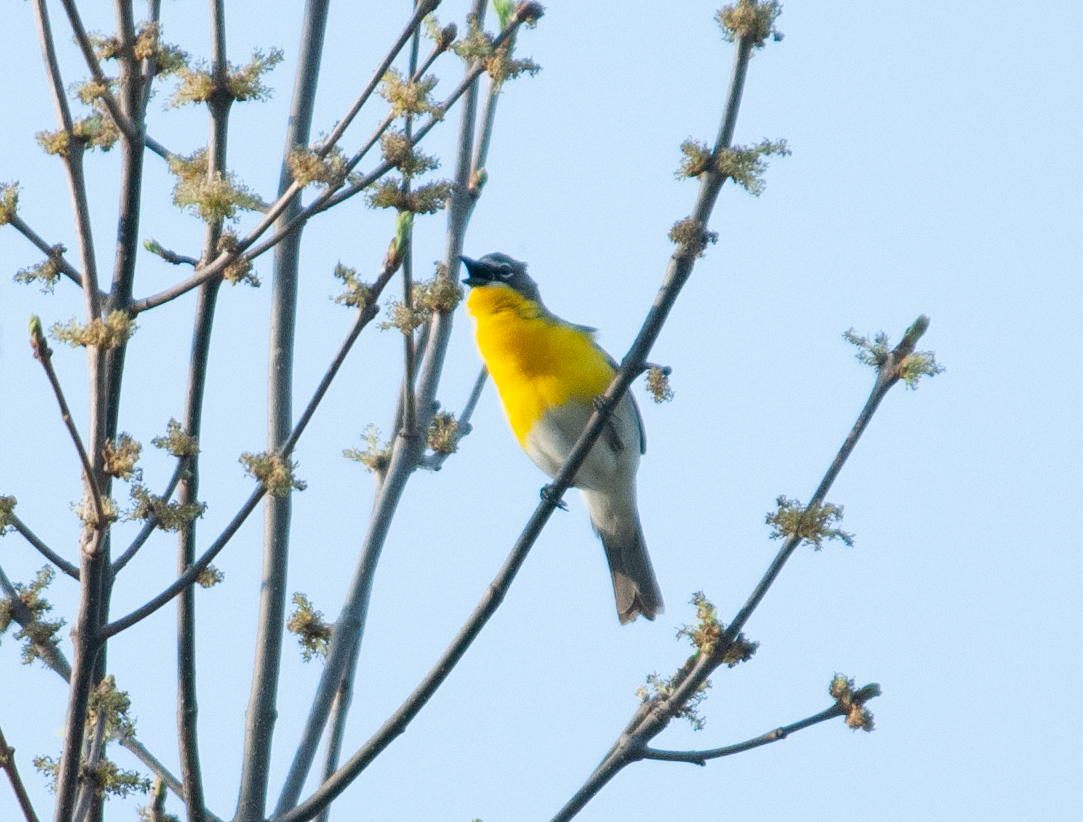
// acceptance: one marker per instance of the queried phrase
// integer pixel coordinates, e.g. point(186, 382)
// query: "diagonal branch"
point(7, 763)
point(652, 717)
point(158, 769)
point(87, 48)
point(702, 757)
point(47, 652)
point(421, 8)
point(53, 252)
point(45, 550)
point(44, 355)
point(152, 520)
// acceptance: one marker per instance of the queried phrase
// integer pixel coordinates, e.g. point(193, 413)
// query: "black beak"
point(480, 273)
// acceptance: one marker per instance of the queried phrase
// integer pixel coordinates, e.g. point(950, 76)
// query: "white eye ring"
point(505, 272)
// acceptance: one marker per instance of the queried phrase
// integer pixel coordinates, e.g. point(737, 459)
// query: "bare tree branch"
point(66, 268)
point(158, 769)
point(702, 757)
point(262, 708)
point(7, 762)
point(152, 520)
point(45, 550)
point(44, 355)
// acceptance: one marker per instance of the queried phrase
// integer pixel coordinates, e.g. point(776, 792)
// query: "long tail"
point(616, 521)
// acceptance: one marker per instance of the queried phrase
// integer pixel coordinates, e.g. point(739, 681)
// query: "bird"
point(549, 373)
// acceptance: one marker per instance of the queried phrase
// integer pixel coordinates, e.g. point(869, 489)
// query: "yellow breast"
point(536, 360)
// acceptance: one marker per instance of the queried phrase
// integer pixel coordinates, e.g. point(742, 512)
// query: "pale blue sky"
point(936, 169)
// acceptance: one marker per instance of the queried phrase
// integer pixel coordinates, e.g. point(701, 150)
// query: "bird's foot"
point(549, 494)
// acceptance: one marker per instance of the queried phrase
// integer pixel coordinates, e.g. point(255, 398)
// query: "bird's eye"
point(505, 272)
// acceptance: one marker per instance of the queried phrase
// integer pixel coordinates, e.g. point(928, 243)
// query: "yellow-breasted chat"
point(548, 373)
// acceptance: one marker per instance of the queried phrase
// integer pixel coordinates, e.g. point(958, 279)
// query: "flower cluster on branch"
point(112, 332)
point(812, 525)
point(274, 472)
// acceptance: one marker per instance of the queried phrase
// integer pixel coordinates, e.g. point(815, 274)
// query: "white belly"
point(612, 461)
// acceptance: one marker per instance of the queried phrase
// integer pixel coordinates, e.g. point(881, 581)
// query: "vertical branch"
point(405, 456)
point(339, 711)
point(464, 196)
point(408, 404)
point(259, 724)
point(188, 489)
point(409, 415)
point(132, 103)
point(93, 553)
point(406, 427)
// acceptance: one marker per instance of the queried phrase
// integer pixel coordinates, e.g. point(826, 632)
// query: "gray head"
point(497, 268)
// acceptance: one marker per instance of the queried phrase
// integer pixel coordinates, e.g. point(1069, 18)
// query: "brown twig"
point(702, 757)
point(44, 549)
point(44, 355)
point(152, 520)
point(51, 251)
point(7, 762)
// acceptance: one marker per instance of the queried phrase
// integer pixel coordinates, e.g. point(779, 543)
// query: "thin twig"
point(73, 160)
point(218, 108)
point(44, 355)
point(150, 64)
point(87, 48)
point(339, 713)
point(435, 461)
point(45, 550)
point(173, 258)
point(93, 758)
point(7, 762)
point(262, 704)
point(158, 148)
point(702, 757)
point(152, 520)
point(49, 653)
point(158, 769)
point(50, 251)
point(421, 8)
